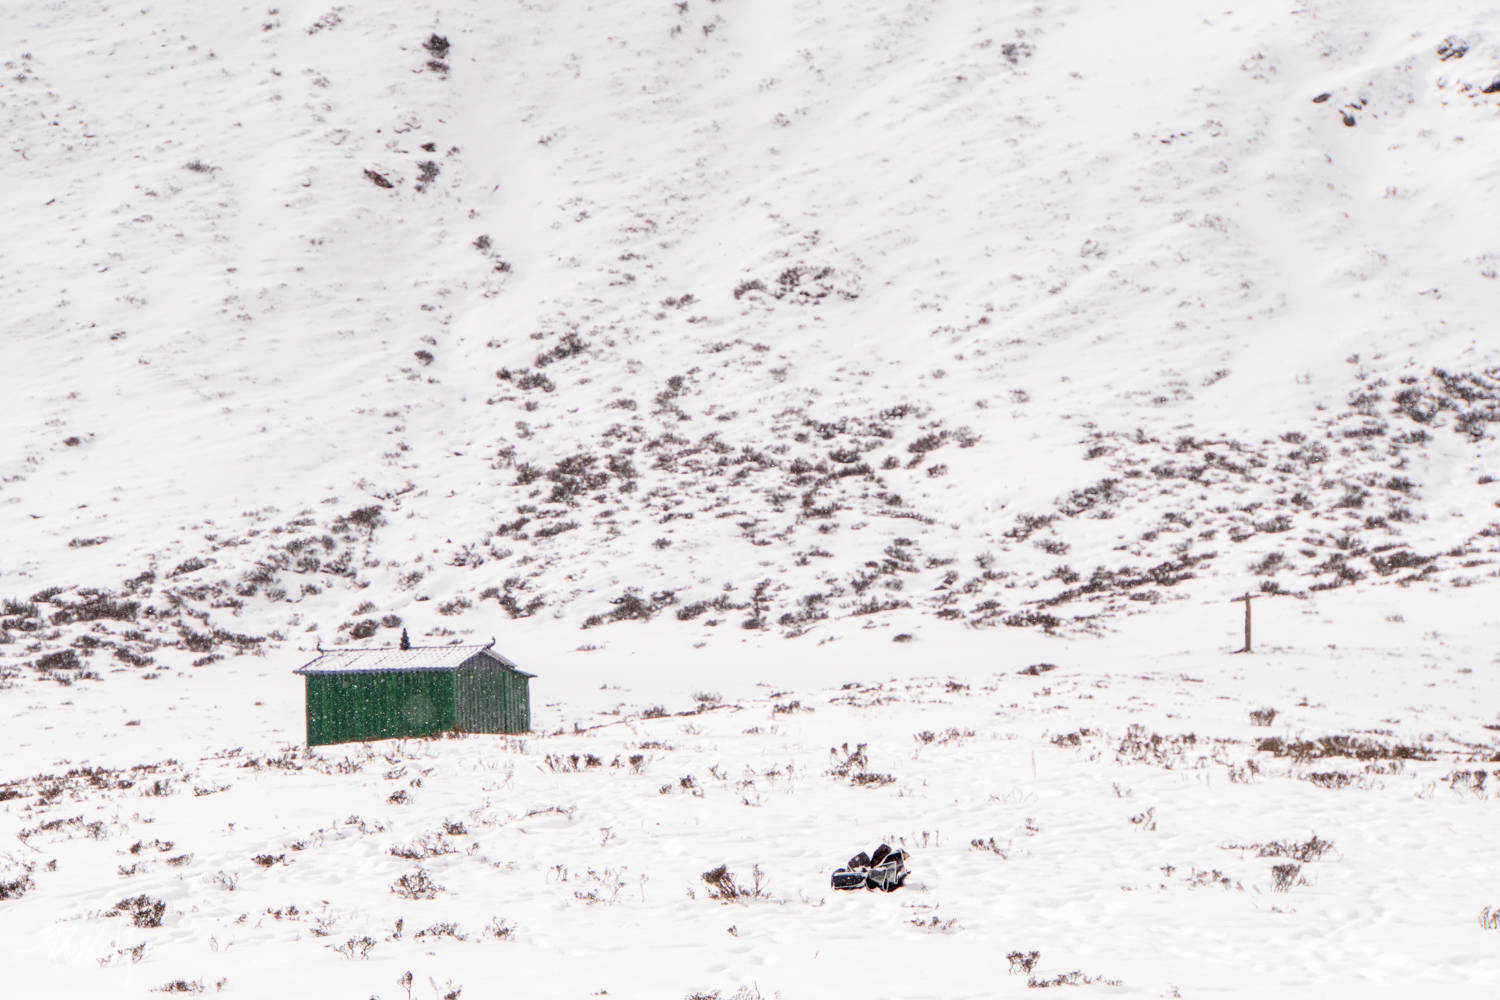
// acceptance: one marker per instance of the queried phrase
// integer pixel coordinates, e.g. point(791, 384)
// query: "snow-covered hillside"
point(664, 305)
point(689, 347)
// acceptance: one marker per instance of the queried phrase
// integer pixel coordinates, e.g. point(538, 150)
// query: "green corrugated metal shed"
point(378, 694)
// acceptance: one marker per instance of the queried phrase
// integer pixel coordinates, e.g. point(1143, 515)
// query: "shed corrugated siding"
point(342, 708)
point(491, 700)
point(477, 702)
point(521, 701)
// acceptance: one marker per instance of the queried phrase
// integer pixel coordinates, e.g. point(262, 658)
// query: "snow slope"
point(706, 349)
point(996, 225)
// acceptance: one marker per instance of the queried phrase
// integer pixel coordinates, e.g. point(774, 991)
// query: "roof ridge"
point(387, 649)
point(380, 658)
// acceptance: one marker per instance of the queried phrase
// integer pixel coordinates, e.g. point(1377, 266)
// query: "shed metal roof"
point(392, 658)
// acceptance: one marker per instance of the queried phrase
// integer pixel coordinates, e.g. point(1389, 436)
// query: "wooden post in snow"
point(1247, 599)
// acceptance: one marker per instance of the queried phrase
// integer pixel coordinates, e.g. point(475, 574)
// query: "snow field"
point(1112, 813)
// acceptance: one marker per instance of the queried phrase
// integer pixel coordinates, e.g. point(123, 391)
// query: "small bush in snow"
point(416, 885)
point(445, 929)
point(1284, 876)
point(1074, 978)
point(935, 923)
point(453, 607)
point(16, 888)
point(850, 761)
point(1309, 850)
point(746, 287)
point(355, 947)
point(143, 910)
point(723, 886)
point(600, 887)
point(1331, 779)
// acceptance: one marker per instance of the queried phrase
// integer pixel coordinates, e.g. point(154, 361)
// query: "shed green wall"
point(491, 700)
point(346, 707)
